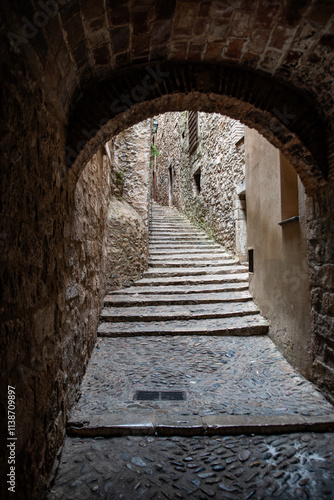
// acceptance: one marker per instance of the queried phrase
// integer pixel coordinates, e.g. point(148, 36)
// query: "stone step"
point(242, 325)
point(185, 245)
point(169, 221)
point(189, 251)
point(172, 237)
point(193, 280)
point(124, 300)
point(193, 271)
point(173, 241)
point(168, 226)
point(179, 312)
point(181, 289)
point(166, 214)
point(152, 423)
point(191, 256)
point(190, 263)
point(184, 232)
point(177, 229)
point(175, 222)
point(180, 229)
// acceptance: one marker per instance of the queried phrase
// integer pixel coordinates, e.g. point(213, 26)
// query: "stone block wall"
point(37, 202)
point(128, 211)
point(50, 321)
point(126, 245)
point(169, 141)
point(130, 152)
point(219, 158)
point(52, 274)
point(320, 233)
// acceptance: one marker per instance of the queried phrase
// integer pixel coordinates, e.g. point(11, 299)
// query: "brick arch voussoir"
point(285, 117)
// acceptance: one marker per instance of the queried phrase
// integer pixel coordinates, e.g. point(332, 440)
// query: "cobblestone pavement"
point(233, 385)
point(233, 375)
point(295, 466)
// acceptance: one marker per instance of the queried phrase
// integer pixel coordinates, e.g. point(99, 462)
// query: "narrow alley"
point(185, 395)
point(167, 249)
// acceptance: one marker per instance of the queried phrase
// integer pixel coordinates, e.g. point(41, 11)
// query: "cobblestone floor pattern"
point(295, 466)
point(222, 376)
point(233, 375)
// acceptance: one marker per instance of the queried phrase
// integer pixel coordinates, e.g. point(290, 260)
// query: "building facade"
point(230, 181)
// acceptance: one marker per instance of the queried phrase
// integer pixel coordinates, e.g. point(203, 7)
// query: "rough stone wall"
point(51, 274)
point(36, 325)
point(130, 152)
point(84, 271)
point(221, 163)
point(259, 50)
point(128, 210)
point(51, 317)
point(320, 218)
point(220, 159)
point(126, 245)
point(169, 140)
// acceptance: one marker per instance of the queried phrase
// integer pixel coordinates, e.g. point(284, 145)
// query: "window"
point(197, 182)
point(170, 176)
point(193, 130)
point(251, 260)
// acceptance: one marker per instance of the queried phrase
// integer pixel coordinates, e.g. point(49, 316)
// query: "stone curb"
point(124, 424)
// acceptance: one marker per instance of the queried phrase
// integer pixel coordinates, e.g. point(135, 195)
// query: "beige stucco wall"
point(280, 282)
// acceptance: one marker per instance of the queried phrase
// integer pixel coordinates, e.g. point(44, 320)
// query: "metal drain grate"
point(160, 395)
point(147, 395)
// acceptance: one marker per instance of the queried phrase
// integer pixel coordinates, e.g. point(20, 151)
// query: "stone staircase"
point(184, 351)
point(192, 286)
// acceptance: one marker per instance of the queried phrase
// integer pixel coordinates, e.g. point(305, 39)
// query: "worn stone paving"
point(182, 328)
point(232, 375)
point(287, 467)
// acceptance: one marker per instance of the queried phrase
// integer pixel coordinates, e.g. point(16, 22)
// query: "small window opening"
point(197, 182)
point(251, 260)
point(170, 175)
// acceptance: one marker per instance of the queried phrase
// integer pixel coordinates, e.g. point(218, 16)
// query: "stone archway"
point(223, 56)
point(282, 115)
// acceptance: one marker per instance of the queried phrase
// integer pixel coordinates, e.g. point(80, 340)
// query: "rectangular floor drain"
point(160, 395)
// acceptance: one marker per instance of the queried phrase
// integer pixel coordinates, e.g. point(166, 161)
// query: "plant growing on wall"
point(154, 153)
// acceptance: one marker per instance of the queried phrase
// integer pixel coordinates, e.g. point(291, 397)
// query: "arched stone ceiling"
point(274, 48)
point(288, 120)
